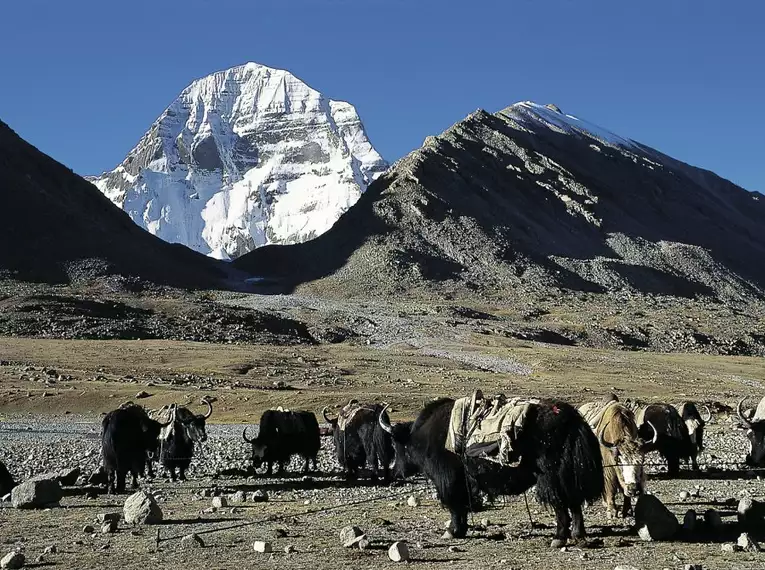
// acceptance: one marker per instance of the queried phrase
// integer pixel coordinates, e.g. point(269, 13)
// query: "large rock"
point(653, 520)
point(12, 560)
point(751, 514)
point(141, 508)
point(65, 477)
point(36, 494)
point(399, 551)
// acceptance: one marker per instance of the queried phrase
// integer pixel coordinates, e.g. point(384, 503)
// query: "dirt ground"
point(60, 378)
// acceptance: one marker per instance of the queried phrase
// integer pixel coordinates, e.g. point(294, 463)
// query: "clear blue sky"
point(84, 79)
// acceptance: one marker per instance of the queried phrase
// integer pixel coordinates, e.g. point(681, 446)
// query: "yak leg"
point(110, 483)
point(269, 468)
point(626, 507)
point(121, 481)
point(458, 525)
point(673, 465)
point(182, 473)
point(609, 498)
point(281, 467)
point(563, 529)
point(171, 470)
point(694, 463)
point(577, 528)
point(307, 463)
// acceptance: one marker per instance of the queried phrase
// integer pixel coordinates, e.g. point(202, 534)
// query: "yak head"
point(755, 431)
point(194, 425)
point(400, 433)
point(695, 423)
point(259, 449)
point(629, 458)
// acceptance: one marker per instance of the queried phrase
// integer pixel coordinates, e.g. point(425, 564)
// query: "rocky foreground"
point(224, 517)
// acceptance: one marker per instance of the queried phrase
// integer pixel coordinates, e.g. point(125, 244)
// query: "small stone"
point(280, 533)
point(192, 540)
point(684, 495)
point(109, 527)
point(746, 542)
point(399, 551)
point(52, 549)
point(692, 567)
point(219, 502)
point(454, 549)
point(364, 543)
point(237, 497)
point(88, 529)
point(350, 536)
point(290, 549)
point(413, 501)
point(142, 394)
point(12, 560)
point(258, 496)
point(485, 522)
point(108, 517)
point(262, 547)
point(624, 567)
point(729, 547)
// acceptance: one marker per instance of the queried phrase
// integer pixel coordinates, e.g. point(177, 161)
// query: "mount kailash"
point(245, 157)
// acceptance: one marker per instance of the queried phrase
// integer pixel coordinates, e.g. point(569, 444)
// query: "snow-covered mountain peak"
point(245, 157)
point(532, 115)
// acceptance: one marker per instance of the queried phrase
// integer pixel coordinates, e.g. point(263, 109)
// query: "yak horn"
point(326, 417)
point(244, 435)
point(209, 408)
point(383, 422)
point(602, 441)
point(741, 416)
point(709, 414)
point(655, 433)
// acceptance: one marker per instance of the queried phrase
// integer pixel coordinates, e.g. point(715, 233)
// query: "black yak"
point(359, 440)
point(283, 434)
point(128, 434)
point(555, 448)
point(177, 439)
point(695, 423)
point(6, 480)
point(673, 442)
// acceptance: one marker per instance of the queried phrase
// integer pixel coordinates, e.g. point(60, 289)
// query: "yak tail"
point(571, 471)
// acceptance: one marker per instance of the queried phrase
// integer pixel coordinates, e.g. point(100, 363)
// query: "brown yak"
point(622, 450)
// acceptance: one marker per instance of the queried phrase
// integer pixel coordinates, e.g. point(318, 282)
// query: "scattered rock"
point(192, 540)
point(141, 508)
point(399, 551)
point(653, 520)
point(712, 519)
point(623, 567)
point(88, 529)
point(12, 560)
point(258, 496)
point(65, 477)
point(108, 517)
point(690, 521)
point(36, 494)
point(290, 549)
point(350, 536)
point(109, 527)
point(684, 495)
point(454, 549)
point(692, 567)
point(747, 543)
point(751, 513)
point(52, 549)
point(364, 543)
point(413, 501)
point(142, 394)
point(729, 547)
point(219, 502)
point(262, 547)
point(237, 497)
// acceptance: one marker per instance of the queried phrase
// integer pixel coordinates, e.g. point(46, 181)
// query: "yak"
point(556, 450)
point(695, 423)
point(6, 480)
point(673, 442)
point(359, 440)
point(403, 466)
point(622, 451)
point(755, 431)
point(128, 434)
point(176, 445)
point(283, 434)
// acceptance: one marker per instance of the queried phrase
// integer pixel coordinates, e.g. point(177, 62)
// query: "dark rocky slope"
point(55, 227)
point(531, 200)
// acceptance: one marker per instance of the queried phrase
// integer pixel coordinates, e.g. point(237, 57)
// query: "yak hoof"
point(558, 543)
